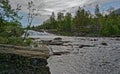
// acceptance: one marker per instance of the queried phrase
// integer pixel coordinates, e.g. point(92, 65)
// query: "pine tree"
point(97, 11)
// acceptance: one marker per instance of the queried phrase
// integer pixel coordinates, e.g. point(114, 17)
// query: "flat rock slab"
point(42, 52)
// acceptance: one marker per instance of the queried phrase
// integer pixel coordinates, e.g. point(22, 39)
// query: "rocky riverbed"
point(77, 55)
point(86, 55)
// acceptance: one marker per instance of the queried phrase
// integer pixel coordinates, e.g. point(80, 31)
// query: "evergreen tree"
point(68, 22)
point(60, 16)
point(97, 11)
point(53, 21)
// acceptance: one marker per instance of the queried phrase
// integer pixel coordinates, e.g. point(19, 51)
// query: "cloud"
point(46, 7)
point(56, 5)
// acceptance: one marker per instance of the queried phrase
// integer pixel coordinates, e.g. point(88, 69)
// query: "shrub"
point(15, 41)
point(3, 40)
point(19, 41)
point(27, 42)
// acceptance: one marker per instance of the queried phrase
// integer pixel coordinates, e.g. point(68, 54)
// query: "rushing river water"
point(86, 56)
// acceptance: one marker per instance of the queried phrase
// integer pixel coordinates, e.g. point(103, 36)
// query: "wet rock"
point(93, 39)
point(56, 43)
point(81, 46)
point(103, 43)
point(117, 39)
point(60, 53)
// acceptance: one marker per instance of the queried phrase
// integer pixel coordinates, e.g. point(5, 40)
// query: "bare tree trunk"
point(30, 17)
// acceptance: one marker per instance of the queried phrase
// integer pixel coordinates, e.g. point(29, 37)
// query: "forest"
point(84, 23)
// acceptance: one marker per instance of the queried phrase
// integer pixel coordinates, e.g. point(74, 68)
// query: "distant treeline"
point(83, 23)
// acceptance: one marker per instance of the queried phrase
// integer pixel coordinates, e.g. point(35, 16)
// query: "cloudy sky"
point(46, 7)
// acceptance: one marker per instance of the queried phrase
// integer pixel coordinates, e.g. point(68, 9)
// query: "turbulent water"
point(87, 56)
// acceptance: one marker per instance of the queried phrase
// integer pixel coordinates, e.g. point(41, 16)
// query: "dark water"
point(16, 64)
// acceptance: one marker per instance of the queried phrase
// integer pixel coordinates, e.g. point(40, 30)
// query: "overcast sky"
point(46, 7)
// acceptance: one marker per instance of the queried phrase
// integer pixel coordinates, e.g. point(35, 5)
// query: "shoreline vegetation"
point(10, 27)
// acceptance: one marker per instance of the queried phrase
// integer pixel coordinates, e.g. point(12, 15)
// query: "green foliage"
point(15, 41)
point(3, 40)
point(18, 41)
point(81, 23)
point(110, 25)
point(7, 13)
point(10, 27)
point(97, 11)
point(28, 42)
